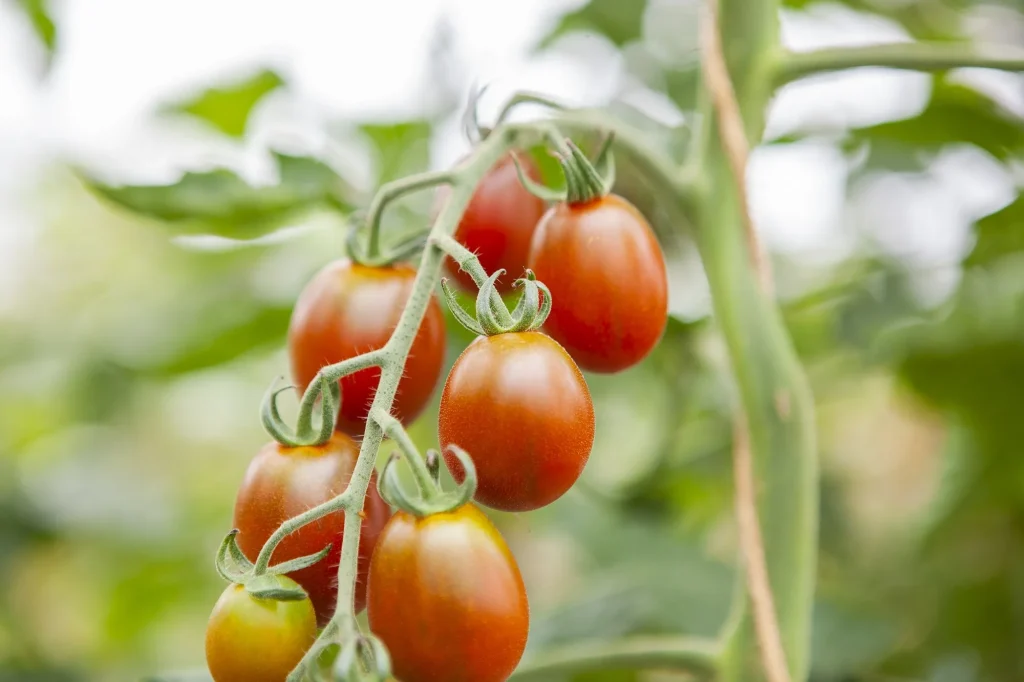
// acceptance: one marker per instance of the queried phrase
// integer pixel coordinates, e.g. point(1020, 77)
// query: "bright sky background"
point(119, 59)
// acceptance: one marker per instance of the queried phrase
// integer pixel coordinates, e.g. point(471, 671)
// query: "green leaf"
point(185, 676)
point(999, 234)
point(618, 20)
point(955, 114)
point(38, 14)
point(218, 202)
point(227, 109)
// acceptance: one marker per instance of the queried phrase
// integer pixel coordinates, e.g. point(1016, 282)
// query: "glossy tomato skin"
point(606, 273)
point(446, 597)
point(498, 223)
point(520, 407)
point(348, 309)
point(282, 482)
point(257, 640)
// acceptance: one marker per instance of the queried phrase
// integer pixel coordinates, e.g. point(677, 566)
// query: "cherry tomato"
point(282, 482)
point(446, 597)
point(499, 223)
point(257, 640)
point(607, 278)
point(349, 309)
point(520, 407)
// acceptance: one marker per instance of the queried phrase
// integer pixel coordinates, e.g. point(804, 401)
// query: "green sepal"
point(535, 188)
point(231, 562)
point(463, 318)
point(276, 587)
point(363, 658)
point(487, 302)
point(390, 488)
point(305, 433)
point(299, 563)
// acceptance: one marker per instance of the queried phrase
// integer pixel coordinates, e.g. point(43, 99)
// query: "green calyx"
point(584, 181)
point(308, 430)
point(431, 499)
point(235, 567)
point(493, 317)
point(363, 658)
point(363, 250)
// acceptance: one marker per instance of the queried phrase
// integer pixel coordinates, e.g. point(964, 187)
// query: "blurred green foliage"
point(134, 364)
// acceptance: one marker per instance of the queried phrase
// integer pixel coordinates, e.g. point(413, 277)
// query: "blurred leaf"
point(998, 234)
point(618, 20)
point(218, 202)
point(226, 335)
point(401, 148)
point(846, 642)
point(955, 114)
point(188, 676)
point(38, 13)
point(228, 108)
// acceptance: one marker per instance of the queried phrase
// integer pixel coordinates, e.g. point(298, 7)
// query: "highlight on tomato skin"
point(257, 640)
point(446, 597)
point(519, 405)
point(282, 482)
point(608, 282)
point(348, 309)
point(499, 222)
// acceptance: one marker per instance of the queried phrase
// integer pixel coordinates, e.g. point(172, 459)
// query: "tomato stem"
point(394, 430)
point(387, 194)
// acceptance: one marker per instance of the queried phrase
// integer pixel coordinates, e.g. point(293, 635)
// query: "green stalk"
point(915, 56)
point(776, 398)
point(695, 655)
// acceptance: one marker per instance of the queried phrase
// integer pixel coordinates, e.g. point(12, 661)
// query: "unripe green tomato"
point(257, 640)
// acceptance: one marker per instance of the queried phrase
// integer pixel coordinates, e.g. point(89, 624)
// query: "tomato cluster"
point(442, 589)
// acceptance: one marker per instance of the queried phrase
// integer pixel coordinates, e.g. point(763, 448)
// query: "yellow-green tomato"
point(257, 640)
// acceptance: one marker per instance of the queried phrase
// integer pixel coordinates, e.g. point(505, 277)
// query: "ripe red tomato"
point(499, 223)
point(349, 309)
point(282, 482)
point(606, 273)
point(257, 640)
point(446, 597)
point(520, 407)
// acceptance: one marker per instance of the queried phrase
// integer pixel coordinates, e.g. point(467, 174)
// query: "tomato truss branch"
point(391, 358)
point(394, 430)
point(920, 56)
point(694, 655)
point(394, 190)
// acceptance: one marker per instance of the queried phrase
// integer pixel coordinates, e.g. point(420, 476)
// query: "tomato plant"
point(520, 406)
point(348, 309)
point(606, 273)
point(282, 482)
point(499, 222)
point(257, 640)
point(446, 597)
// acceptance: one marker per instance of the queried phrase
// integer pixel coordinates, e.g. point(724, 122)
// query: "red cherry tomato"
point(446, 597)
point(520, 407)
point(349, 309)
point(282, 482)
point(257, 640)
point(606, 273)
point(498, 223)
